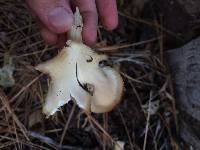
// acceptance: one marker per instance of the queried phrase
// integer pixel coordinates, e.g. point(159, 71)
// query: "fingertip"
point(89, 36)
point(108, 13)
point(61, 41)
point(110, 23)
point(90, 29)
point(60, 20)
point(56, 15)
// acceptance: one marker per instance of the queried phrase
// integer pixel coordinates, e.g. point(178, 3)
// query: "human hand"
point(55, 18)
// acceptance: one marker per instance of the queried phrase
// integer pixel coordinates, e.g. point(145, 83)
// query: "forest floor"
point(146, 118)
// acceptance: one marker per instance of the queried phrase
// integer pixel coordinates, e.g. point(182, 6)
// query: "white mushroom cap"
point(77, 67)
point(78, 72)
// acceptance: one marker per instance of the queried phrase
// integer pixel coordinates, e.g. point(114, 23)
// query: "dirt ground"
point(146, 118)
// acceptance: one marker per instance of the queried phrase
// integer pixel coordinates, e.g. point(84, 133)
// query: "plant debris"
point(6, 72)
point(146, 80)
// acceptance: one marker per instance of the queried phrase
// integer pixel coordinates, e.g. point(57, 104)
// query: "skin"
point(55, 18)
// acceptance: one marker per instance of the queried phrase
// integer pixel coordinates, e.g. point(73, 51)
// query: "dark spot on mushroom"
point(89, 87)
point(66, 45)
point(79, 26)
point(90, 59)
point(104, 63)
point(85, 86)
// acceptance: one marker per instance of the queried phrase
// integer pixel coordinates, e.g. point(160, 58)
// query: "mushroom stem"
point(76, 29)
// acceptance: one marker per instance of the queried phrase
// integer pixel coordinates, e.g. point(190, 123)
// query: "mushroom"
point(80, 73)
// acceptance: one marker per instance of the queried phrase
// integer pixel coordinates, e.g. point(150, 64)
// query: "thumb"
point(56, 15)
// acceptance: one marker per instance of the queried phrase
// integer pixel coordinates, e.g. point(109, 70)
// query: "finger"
point(48, 36)
point(107, 10)
point(90, 19)
point(61, 40)
point(56, 15)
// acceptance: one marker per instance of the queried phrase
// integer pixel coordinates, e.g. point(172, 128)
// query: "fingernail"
point(60, 19)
